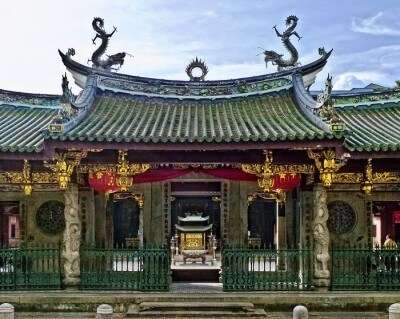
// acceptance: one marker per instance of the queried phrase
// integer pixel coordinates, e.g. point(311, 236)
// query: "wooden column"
point(321, 273)
point(71, 237)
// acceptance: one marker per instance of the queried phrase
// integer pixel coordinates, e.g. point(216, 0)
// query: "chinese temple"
point(264, 161)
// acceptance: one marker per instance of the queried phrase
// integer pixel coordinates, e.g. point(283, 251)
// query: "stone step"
point(194, 309)
point(192, 305)
point(258, 313)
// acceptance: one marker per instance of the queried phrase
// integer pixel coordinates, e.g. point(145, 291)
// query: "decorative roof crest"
point(326, 110)
point(276, 58)
point(68, 109)
point(197, 64)
point(111, 60)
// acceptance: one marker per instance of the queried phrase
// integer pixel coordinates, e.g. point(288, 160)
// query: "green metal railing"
point(30, 268)
point(145, 269)
point(247, 269)
point(365, 269)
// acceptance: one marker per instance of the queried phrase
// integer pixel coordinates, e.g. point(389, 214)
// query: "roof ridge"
point(196, 97)
point(393, 103)
point(42, 95)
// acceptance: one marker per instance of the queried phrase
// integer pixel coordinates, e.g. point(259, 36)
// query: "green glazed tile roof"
point(372, 127)
point(124, 118)
point(21, 127)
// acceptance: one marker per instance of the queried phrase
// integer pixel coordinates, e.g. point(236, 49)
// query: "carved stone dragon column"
point(328, 165)
point(71, 238)
point(321, 273)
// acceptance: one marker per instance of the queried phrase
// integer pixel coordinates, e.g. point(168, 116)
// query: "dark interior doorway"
point(262, 221)
point(9, 224)
point(125, 214)
point(182, 205)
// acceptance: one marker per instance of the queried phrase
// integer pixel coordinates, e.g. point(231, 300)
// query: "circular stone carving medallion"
point(50, 217)
point(342, 217)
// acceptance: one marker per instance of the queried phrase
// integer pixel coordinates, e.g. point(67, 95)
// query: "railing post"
point(104, 311)
point(71, 238)
point(300, 312)
point(321, 274)
point(6, 311)
point(394, 311)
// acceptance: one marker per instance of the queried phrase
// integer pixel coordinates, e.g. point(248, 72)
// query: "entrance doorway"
point(195, 231)
point(262, 223)
point(9, 224)
point(386, 221)
point(125, 217)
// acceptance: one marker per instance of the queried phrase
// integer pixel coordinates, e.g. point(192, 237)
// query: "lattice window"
point(50, 217)
point(342, 217)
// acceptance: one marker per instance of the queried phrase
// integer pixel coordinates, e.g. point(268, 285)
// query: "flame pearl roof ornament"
point(197, 64)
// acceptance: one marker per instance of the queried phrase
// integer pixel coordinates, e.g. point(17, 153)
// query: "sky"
point(163, 36)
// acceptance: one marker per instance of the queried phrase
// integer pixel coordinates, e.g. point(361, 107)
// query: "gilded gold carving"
point(367, 184)
point(386, 178)
point(125, 171)
point(27, 178)
point(347, 178)
point(327, 164)
point(263, 171)
point(266, 172)
point(358, 178)
point(140, 199)
point(192, 241)
point(63, 166)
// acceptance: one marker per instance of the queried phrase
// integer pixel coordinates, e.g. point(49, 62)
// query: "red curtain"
point(159, 175)
point(107, 181)
point(396, 217)
point(103, 181)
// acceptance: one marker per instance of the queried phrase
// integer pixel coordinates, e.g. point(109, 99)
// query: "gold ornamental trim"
point(327, 164)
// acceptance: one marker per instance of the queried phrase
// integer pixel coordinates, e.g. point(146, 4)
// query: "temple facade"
point(260, 162)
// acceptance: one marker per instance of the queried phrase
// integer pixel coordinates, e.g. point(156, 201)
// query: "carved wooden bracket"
point(327, 164)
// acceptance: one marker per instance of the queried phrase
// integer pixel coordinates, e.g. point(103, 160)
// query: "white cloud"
point(373, 25)
point(349, 80)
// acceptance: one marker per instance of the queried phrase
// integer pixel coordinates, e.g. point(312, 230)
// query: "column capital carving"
point(327, 163)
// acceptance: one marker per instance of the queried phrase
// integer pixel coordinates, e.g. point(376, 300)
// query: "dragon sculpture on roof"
point(111, 60)
point(276, 58)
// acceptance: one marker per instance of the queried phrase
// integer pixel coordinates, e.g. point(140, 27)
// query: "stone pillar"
point(71, 238)
point(321, 273)
point(6, 311)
